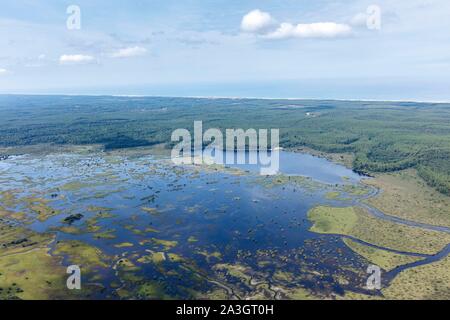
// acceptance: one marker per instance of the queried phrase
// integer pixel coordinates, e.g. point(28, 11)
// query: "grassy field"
point(404, 194)
point(428, 282)
point(355, 222)
point(27, 270)
point(31, 275)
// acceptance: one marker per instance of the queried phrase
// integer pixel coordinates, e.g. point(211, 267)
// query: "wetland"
point(141, 227)
point(88, 181)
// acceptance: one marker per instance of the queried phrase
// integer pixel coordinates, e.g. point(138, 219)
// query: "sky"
point(320, 49)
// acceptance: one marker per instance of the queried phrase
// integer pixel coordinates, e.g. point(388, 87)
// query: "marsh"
point(142, 227)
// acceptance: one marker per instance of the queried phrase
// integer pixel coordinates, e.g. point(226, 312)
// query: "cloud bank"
point(312, 30)
point(263, 24)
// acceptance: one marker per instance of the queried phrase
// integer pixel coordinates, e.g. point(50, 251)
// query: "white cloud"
point(129, 52)
point(312, 30)
point(263, 24)
point(3, 71)
point(257, 21)
point(75, 59)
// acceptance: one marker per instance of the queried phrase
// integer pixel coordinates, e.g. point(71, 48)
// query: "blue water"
point(301, 164)
point(289, 163)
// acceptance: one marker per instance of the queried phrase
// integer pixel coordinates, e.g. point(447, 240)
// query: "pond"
point(302, 164)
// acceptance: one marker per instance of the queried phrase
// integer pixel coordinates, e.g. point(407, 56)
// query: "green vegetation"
point(126, 270)
point(31, 275)
point(40, 207)
point(355, 222)
point(235, 270)
point(216, 255)
point(108, 234)
point(333, 220)
point(300, 294)
point(333, 195)
point(152, 257)
point(192, 239)
point(19, 216)
point(27, 270)
point(404, 194)
point(75, 186)
point(382, 136)
point(166, 244)
point(151, 230)
point(124, 245)
point(283, 276)
point(427, 282)
point(151, 290)
point(356, 190)
point(8, 198)
point(175, 257)
point(384, 259)
point(88, 257)
point(152, 211)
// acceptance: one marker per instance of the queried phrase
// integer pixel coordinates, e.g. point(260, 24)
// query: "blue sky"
point(248, 48)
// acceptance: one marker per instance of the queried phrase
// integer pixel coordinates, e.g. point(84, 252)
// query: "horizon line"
point(224, 97)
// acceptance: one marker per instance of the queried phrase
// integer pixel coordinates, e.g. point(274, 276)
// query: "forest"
point(383, 136)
